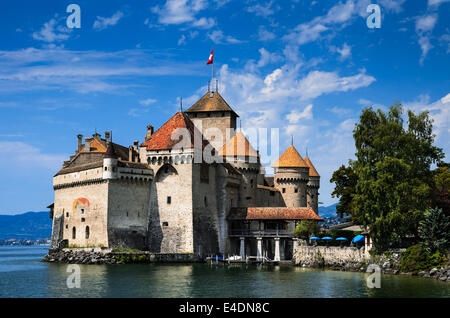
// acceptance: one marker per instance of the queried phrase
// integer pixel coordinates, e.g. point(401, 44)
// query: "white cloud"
point(204, 23)
point(81, 71)
point(440, 113)
point(267, 58)
point(17, 154)
point(182, 40)
point(317, 83)
point(218, 37)
point(183, 11)
point(147, 101)
point(263, 10)
point(51, 32)
point(294, 116)
point(436, 2)
point(264, 34)
point(102, 23)
point(424, 26)
point(426, 23)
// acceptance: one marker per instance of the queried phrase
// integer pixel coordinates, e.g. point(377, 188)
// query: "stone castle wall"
point(171, 224)
point(128, 213)
point(92, 214)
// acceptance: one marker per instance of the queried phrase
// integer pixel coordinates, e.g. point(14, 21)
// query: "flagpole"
point(212, 72)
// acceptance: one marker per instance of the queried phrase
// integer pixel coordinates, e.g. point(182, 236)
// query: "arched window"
point(87, 232)
point(74, 232)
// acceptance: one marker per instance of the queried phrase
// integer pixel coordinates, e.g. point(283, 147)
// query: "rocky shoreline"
point(387, 264)
point(107, 256)
point(354, 260)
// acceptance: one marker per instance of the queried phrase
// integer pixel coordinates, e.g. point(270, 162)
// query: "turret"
point(313, 187)
point(241, 155)
point(291, 177)
point(110, 170)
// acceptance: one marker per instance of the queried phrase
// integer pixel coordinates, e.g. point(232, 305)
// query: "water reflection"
point(23, 275)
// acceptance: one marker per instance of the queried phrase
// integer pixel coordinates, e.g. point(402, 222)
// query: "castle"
point(163, 195)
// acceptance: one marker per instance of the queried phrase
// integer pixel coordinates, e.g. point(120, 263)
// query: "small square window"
point(83, 220)
point(82, 211)
point(284, 190)
point(169, 200)
point(67, 214)
point(296, 190)
point(67, 226)
point(165, 223)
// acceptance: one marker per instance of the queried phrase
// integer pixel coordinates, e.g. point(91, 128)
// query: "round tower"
point(110, 170)
point(242, 156)
point(291, 176)
point(313, 187)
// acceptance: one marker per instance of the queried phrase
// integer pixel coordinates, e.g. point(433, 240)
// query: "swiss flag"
point(211, 57)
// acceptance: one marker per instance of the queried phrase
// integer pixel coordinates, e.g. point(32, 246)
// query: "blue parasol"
point(327, 238)
point(341, 239)
point(358, 238)
point(314, 238)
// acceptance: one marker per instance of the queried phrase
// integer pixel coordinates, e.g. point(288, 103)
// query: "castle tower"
point(215, 119)
point(313, 187)
point(241, 155)
point(110, 170)
point(291, 176)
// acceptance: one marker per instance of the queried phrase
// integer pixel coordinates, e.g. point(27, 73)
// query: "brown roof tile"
point(312, 170)
point(162, 138)
point(273, 213)
point(290, 159)
point(210, 102)
point(238, 145)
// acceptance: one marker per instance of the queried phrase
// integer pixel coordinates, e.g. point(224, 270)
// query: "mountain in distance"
point(26, 226)
point(328, 211)
point(38, 225)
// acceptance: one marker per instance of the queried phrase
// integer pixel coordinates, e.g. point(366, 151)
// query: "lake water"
point(23, 275)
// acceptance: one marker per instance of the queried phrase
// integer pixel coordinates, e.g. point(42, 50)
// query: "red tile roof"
point(238, 145)
point(162, 138)
point(290, 159)
point(312, 170)
point(273, 213)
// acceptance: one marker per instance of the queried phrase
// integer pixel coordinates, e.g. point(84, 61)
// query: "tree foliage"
point(306, 228)
point(434, 230)
point(387, 188)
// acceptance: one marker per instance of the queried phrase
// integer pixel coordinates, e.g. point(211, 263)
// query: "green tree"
point(434, 230)
point(387, 188)
point(306, 228)
point(441, 189)
point(345, 180)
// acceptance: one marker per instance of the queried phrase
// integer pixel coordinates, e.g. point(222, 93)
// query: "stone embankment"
point(354, 259)
point(442, 274)
point(108, 256)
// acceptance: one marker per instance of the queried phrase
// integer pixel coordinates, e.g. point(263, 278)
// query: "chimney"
point(149, 133)
point(87, 144)
point(130, 153)
point(135, 145)
point(107, 136)
point(80, 142)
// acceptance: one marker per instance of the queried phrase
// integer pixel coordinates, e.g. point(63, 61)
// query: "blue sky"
point(305, 67)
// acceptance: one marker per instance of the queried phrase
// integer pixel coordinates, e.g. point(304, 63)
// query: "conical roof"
point(290, 159)
point(162, 138)
point(312, 170)
point(211, 102)
point(110, 151)
point(238, 145)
